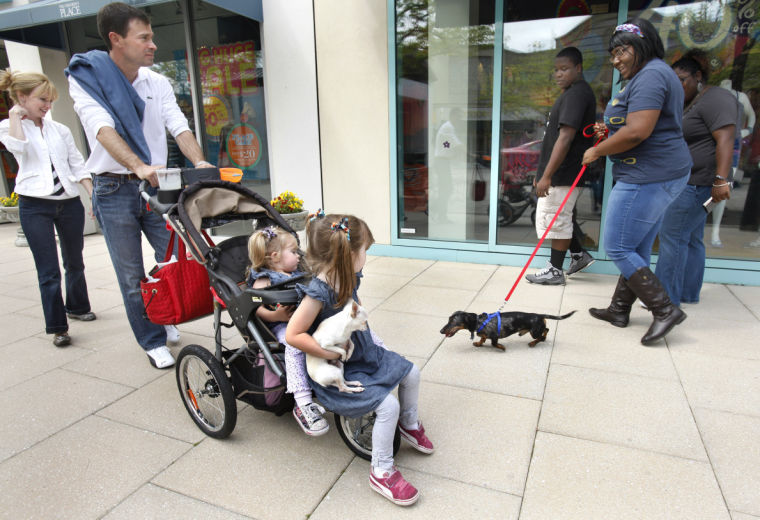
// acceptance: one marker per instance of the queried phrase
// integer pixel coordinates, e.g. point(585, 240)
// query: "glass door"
point(445, 90)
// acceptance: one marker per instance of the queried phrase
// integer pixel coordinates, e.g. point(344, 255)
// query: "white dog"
point(334, 334)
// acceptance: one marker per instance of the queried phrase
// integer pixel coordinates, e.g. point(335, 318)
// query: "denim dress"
point(378, 369)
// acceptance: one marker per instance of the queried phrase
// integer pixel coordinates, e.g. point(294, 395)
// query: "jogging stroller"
point(208, 382)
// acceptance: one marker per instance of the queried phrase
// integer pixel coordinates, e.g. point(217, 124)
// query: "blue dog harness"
point(488, 319)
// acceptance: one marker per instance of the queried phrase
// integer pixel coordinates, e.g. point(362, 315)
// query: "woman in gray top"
point(709, 127)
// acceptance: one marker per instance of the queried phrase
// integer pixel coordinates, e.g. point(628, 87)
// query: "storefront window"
point(445, 89)
point(726, 31)
point(230, 66)
point(533, 35)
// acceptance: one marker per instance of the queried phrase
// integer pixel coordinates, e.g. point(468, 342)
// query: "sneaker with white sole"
point(579, 261)
point(394, 487)
point(417, 438)
point(172, 334)
point(309, 418)
point(549, 275)
point(160, 357)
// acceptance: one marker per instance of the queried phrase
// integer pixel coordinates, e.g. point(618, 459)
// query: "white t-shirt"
point(161, 113)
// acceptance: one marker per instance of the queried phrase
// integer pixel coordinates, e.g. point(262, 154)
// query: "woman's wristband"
point(721, 185)
point(206, 163)
point(724, 179)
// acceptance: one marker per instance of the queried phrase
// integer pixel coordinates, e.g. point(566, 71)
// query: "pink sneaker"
point(417, 439)
point(394, 487)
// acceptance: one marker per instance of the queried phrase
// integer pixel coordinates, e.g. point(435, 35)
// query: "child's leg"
point(295, 368)
point(307, 413)
point(383, 477)
point(383, 432)
point(410, 427)
point(408, 395)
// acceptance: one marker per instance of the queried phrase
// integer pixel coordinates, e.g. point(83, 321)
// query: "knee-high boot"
point(650, 291)
point(620, 306)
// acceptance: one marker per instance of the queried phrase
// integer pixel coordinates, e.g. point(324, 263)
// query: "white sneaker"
point(172, 334)
point(160, 357)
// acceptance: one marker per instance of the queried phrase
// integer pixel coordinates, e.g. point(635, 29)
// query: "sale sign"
point(243, 146)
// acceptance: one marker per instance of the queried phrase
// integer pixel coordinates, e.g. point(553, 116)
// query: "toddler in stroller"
point(210, 381)
point(274, 259)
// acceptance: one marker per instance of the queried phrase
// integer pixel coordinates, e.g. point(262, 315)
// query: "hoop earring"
point(699, 86)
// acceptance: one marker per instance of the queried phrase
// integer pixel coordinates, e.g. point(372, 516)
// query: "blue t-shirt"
point(664, 155)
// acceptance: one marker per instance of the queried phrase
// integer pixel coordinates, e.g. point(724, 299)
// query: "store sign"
point(243, 146)
point(229, 70)
point(69, 9)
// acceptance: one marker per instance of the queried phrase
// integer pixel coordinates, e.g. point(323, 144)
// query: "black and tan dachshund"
point(500, 325)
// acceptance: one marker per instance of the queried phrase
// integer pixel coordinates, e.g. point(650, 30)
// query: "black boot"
point(620, 306)
point(650, 291)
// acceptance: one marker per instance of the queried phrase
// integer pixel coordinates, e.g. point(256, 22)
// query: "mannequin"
point(746, 122)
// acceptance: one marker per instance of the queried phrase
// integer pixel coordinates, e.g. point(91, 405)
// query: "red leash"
point(587, 132)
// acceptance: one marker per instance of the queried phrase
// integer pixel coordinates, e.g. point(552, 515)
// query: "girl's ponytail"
point(332, 242)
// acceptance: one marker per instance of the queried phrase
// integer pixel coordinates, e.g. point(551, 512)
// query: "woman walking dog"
point(651, 165)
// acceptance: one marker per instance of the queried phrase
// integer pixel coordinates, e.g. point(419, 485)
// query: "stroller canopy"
point(221, 199)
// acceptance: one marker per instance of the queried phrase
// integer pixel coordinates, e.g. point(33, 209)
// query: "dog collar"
point(489, 318)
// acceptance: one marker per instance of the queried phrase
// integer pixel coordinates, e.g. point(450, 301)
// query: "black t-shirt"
point(715, 109)
point(576, 108)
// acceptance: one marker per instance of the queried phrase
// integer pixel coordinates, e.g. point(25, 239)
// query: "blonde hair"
point(266, 241)
point(24, 83)
point(330, 250)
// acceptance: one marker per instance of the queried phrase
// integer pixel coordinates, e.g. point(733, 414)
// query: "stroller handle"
point(152, 200)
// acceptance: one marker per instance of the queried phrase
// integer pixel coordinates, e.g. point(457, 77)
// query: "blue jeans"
point(681, 264)
point(38, 218)
point(634, 216)
point(123, 216)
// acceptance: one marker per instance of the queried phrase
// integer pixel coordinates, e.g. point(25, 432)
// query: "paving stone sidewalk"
point(587, 425)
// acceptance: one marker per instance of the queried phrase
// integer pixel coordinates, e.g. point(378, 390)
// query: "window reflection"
point(445, 78)
point(532, 39)
point(725, 31)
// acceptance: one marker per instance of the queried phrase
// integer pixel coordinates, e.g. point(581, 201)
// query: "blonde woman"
point(50, 167)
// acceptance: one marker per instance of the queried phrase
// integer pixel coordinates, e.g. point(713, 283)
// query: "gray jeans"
point(392, 411)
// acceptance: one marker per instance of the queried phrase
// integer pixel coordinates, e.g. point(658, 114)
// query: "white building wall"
point(290, 93)
point(352, 64)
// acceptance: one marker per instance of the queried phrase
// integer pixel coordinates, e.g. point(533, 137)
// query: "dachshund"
point(500, 325)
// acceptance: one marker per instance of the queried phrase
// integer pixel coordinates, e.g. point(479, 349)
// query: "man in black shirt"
point(559, 164)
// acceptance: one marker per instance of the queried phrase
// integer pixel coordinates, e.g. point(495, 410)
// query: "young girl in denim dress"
point(274, 259)
point(336, 254)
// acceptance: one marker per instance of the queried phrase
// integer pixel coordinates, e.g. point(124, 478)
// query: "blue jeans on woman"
point(681, 264)
point(38, 218)
point(123, 217)
point(634, 216)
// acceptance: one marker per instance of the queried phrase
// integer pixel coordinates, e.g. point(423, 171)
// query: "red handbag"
point(176, 292)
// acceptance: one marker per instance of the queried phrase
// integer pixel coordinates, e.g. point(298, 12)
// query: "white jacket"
point(55, 142)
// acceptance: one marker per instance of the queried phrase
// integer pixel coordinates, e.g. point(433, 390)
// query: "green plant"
point(287, 202)
point(9, 202)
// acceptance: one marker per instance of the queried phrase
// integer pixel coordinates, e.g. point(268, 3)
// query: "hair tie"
point(269, 233)
point(631, 28)
point(343, 226)
point(315, 216)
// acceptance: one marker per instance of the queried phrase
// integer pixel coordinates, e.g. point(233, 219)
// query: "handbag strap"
point(170, 247)
point(181, 250)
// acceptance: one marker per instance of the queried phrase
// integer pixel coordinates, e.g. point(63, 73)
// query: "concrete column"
point(290, 93)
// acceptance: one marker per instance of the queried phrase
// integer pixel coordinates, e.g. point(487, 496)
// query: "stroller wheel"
point(357, 434)
point(206, 391)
